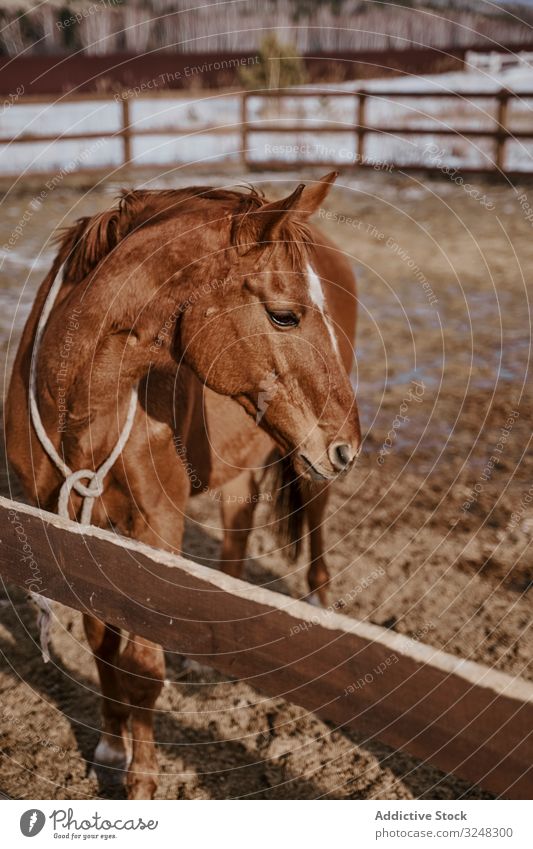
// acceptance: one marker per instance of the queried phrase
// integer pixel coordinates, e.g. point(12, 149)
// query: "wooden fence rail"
point(458, 715)
point(499, 131)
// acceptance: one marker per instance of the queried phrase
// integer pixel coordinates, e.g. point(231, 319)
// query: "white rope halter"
point(73, 479)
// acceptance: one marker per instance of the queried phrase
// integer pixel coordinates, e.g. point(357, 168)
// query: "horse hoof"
point(314, 600)
point(193, 666)
point(112, 755)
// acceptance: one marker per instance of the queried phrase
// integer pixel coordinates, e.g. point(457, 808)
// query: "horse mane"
point(83, 245)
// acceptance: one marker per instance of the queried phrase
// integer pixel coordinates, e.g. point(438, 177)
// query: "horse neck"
point(96, 347)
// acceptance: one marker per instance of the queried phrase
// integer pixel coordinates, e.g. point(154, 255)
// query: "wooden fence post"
point(244, 128)
point(501, 128)
point(126, 129)
point(360, 127)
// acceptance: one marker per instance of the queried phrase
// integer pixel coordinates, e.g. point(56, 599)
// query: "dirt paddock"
point(430, 535)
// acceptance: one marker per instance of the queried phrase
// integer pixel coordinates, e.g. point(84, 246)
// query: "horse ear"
point(263, 225)
point(269, 219)
point(301, 204)
point(314, 195)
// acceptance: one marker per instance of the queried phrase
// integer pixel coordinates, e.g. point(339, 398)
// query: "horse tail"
point(288, 508)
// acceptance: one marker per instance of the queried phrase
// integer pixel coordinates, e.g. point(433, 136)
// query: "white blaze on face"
point(317, 297)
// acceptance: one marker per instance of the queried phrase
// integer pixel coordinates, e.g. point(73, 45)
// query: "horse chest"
point(224, 441)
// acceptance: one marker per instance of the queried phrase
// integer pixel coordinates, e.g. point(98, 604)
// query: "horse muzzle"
point(334, 461)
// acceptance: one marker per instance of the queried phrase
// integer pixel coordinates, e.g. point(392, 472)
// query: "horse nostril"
point(341, 455)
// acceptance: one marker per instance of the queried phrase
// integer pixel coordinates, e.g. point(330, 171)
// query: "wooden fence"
point(460, 716)
point(499, 132)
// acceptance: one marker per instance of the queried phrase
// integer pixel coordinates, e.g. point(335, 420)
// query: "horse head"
point(265, 337)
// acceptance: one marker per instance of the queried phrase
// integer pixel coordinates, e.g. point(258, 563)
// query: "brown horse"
point(236, 320)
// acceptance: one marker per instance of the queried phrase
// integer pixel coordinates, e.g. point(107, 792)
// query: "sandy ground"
point(443, 283)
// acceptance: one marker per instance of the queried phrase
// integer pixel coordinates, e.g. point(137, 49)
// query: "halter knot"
point(94, 489)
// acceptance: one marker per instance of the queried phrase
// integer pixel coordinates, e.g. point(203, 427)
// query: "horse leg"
point(239, 498)
point(140, 667)
point(317, 575)
point(141, 673)
point(112, 749)
point(131, 682)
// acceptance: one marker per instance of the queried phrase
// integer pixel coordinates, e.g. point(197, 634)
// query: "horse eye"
point(283, 319)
